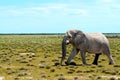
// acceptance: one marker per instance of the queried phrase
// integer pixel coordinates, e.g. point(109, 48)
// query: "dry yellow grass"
point(42, 52)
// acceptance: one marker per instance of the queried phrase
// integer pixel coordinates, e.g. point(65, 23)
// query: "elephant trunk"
point(63, 49)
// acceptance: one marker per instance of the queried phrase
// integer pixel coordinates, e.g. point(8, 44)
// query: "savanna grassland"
point(33, 57)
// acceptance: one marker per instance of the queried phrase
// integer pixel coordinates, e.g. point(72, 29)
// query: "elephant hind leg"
point(111, 61)
point(95, 62)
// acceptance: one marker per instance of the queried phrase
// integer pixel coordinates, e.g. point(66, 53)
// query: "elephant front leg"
point(95, 62)
point(73, 53)
point(83, 56)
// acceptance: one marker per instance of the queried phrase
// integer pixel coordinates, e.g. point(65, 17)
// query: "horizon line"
point(42, 33)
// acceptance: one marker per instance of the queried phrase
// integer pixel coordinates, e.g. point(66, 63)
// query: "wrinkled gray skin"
point(95, 42)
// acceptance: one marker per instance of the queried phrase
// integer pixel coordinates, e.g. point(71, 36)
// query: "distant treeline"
point(32, 33)
point(109, 35)
point(112, 35)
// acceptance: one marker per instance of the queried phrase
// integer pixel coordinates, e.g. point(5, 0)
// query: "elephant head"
point(71, 37)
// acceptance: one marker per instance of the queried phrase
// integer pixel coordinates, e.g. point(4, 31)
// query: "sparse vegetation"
point(37, 57)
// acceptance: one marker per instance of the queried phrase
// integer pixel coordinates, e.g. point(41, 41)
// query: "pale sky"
point(58, 16)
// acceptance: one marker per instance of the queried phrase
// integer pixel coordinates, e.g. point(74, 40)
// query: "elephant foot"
point(95, 63)
point(111, 63)
point(67, 63)
point(84, 64)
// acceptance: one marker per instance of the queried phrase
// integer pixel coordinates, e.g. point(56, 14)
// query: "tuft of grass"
point(52, 70)
point(118, 57)
point(71, 71)
point(48, 67)
point(112, 78)
point(41, 65)
point(61, 78)
point(99, 77)
point(21, 74)
point(76, 78)
point(117, 65)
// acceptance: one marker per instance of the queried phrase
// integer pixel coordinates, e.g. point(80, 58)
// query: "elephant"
point(86, 42)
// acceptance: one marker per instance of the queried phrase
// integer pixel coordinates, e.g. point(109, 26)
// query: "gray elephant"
point(86, 42)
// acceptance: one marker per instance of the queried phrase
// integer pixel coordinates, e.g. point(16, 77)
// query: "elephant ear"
point(79, 37)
